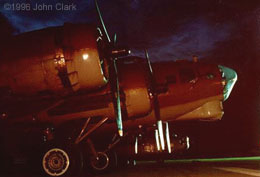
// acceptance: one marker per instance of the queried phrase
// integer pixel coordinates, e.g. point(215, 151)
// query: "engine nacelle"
point(134, 83)
point(58, 59)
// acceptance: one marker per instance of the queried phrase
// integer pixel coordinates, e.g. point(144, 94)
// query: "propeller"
point(102, 22)
point(152, 89)
point(155, 101)
point(112, 52)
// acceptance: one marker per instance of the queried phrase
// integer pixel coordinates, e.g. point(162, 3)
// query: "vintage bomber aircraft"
point(70, 87)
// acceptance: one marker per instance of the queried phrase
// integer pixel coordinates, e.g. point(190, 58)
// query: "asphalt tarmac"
point(231, 167)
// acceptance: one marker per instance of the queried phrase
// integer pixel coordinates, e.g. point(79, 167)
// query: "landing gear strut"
point(105, 160)
point(99, 161)
point(63, 158)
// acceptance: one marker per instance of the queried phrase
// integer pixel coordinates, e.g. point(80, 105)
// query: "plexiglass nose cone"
point(231, 77)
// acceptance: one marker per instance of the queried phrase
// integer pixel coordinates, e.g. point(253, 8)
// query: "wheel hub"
point(55, 162)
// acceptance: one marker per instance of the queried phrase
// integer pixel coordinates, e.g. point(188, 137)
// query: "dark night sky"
point(226, 32)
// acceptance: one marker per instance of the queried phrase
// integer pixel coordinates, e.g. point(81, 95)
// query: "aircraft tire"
point(61, 161)
point(106, 162)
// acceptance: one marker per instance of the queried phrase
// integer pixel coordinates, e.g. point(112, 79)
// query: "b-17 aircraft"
point(77, 95)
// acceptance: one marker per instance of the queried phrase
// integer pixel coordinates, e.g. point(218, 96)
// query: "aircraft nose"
point(231, 77)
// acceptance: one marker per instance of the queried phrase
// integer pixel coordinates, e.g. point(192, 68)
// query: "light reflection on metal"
point(59, 60)
point(120, 52)
point(101, 161)
point(188, 142)
point(136, 145)
point(161, 134)
point(81, 136)
point(223, 82)
point(48, 134)
point(157, 140)
point(55, 162)
point(118, 106)
point(92, 148)
point(168, 137)
point(231, 77)
point(115, 141)
point(3, 116)
point(99, 38)
point(85, 56)
point(148, 61)
point(82, 130)
point(102, 22)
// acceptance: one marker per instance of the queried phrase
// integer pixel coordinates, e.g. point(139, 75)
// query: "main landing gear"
point(66, 159)
point(62, 161)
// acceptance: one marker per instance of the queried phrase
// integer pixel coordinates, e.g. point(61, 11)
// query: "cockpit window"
point(187, 75)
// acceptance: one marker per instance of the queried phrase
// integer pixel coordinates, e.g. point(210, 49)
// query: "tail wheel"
point(103, 162)
point(62, 162)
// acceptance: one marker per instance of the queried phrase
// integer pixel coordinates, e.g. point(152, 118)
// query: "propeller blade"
point(168, 138)
point(115, 38)
point(114, 82)
point(117, 96)
point(102, 22)
point(153, 85)
point(161, 134)
point(118, 103)
point(149, 62)
point(156, 103)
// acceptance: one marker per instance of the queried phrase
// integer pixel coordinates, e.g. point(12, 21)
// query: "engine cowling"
point(134, 82)
point(56, 59)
